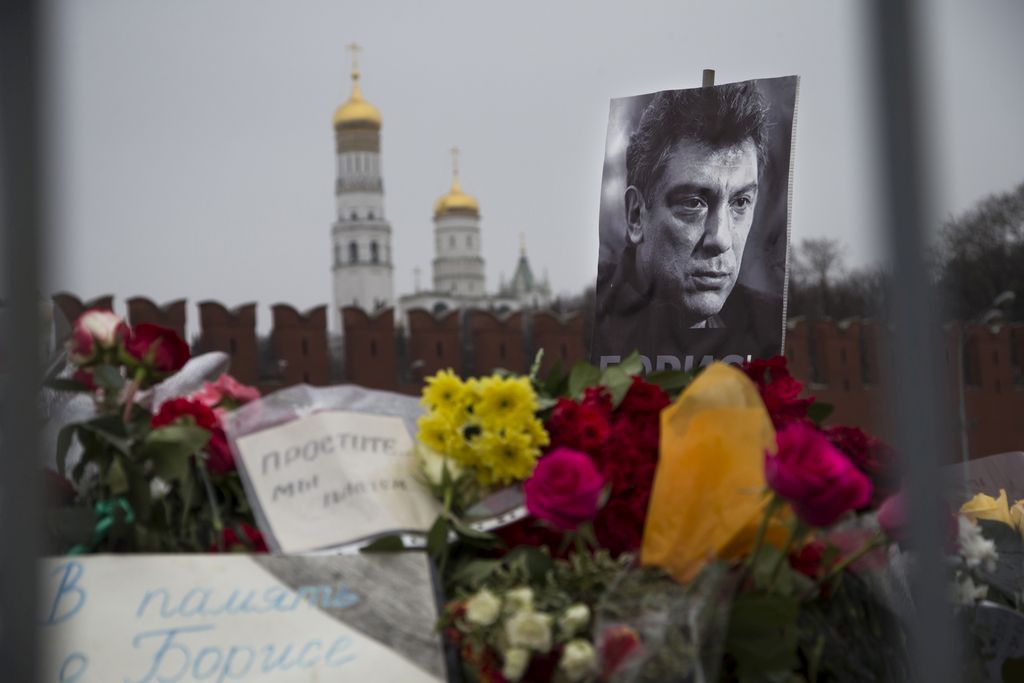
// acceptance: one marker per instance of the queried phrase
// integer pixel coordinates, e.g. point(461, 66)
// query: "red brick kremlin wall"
point(841, 363)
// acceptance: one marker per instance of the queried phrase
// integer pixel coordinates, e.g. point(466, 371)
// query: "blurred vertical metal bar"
point(20, 199)
point(917, 380)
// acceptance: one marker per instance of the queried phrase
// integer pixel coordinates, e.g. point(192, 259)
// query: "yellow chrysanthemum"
point(504, 458)
point(507, 402)
point(538, 435)
point(444, 391)
point(437, 432)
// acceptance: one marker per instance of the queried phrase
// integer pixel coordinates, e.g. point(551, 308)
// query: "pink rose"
point(892, 517)
point(565, 489)
point(225, 393)
point(814, 476)
point(157, 348)
point(95, 331)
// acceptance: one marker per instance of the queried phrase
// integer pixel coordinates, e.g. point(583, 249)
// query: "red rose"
point(250, 540)
point(157, 348)
point(95, 331)
point(779, 390)
point(565, 489)
point(85, 377)
point(617, 644)
point(820, 482)
point(643, 398)
point(619, 526)
point(599, 399)
point(807, 560)
point(220, 459)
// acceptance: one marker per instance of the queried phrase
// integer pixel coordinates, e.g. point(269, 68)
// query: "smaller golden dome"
point(455, 200)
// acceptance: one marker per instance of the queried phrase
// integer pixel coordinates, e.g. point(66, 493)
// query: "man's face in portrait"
point(691, 228)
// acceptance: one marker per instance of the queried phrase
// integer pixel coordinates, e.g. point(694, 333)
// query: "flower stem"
point(218, 524)
point(796, 530)
point(129, 397)
point(769, 511)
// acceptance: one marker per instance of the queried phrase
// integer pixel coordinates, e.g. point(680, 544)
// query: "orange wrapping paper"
point(709, 491)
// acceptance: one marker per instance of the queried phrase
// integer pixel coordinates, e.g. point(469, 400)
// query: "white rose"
point(530, 630)
point(483, 608)
point(519, 600)
point(516, 661)
point(575, 618)
point(578, 660)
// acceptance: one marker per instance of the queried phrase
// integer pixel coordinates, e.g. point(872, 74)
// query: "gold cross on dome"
point(455, 162)
point(355, 49)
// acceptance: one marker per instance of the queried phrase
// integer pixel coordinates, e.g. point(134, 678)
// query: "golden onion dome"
point(455, 200)
point(357, 112)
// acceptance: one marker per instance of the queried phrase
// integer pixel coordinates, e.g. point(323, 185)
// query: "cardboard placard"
point(333, 478)
point(150, 618)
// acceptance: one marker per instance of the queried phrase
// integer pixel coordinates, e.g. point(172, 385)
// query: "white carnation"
point(519, 600)
point(974, 547)
point(483, 608)
point(966, 592)
point(578, 661)
point(531, 630)
point(575, 618)
point(516, 661)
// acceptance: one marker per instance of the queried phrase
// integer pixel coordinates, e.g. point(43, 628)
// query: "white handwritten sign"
point(171, 618)
point(334, 477)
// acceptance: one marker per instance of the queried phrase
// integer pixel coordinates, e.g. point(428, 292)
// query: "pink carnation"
point(814, 476)
point(225, 392)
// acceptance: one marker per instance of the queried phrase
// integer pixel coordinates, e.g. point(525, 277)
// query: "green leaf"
point(169, 448)
point(631, 365)
point(617, 381)
point(65, 384)
point(532, 561)
point(466, 532)
point(474, 572)
point(818, 412)
point(384, 544)
point(671, 381)
point(116, 478)
point(108, 377)
point(582, 375)
point(64, 438)
point(556, 381)
point(762, 635)
point(437, 537)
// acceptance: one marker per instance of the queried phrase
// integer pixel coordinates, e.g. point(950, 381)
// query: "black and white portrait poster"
point(695, 211)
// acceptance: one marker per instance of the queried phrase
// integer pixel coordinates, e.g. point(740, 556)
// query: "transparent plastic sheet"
point(501, 508)
point(680, 630)
point(61, 408)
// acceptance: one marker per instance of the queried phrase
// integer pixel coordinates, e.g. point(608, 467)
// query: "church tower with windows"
point(458, 265)
point(361, 235)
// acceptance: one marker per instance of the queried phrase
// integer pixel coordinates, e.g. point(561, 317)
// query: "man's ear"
point(636, 214)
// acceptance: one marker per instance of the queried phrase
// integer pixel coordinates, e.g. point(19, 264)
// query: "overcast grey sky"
point(193, 149)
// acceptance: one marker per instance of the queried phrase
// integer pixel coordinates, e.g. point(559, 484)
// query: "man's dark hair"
point(721, 116)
